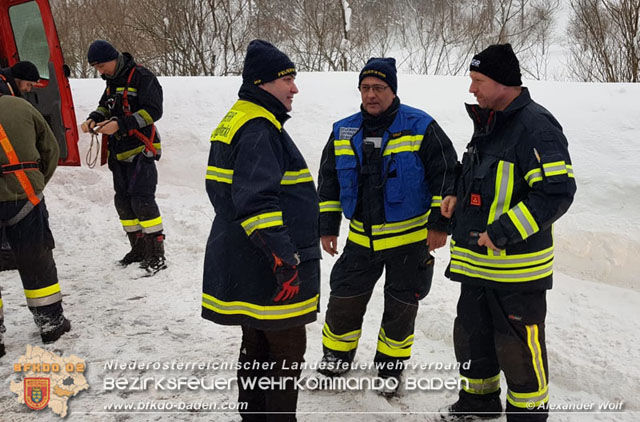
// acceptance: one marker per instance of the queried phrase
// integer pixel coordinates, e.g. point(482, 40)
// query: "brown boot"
point(154, 259)
point(136, 254)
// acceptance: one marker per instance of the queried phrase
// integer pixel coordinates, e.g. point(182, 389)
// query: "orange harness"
point(8, 85)
point(18, 168)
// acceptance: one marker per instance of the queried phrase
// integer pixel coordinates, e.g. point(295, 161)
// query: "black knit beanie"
point(26, 71)
point(498, 62)
point(265, 63)
point(383, 69)
point(100, 51)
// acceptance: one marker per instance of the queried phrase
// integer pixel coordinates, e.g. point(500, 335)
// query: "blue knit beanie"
point(383, 68)
point(100, 51)
point(265, 63)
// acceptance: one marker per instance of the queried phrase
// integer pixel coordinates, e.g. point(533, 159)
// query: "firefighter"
point(387, 168)
point(28, 157)
point(127, 112)
point(261, 268)
point(516, 181)
point(18, 79)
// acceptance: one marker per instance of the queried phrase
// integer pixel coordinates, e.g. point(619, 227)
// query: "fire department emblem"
point(36, 393)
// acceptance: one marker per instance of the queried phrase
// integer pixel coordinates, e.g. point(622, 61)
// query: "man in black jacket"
point(516, 181)
point(18, 79)
point(261, 269)
point(126, 114)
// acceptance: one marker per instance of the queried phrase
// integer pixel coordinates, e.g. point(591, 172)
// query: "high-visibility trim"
point(400, 226)
point(219, 174)
point(533, 341)
point(132, 91)
point(554, 169)
point(22, 177)
point(523, 220)
point(330, 206)
point(480, 385)
point(131, 226)
point(340, 342)
point(359, 239)
point(343, 147)
point(146, 117)
point(103, 111)
point(528, 400)
point(395, 241)
point(151, 226)
point(295, 177)
point(503, 276)
point(357, 234)
point(570, 171)
point(132, 152)
point(262, 221)
point(44, 296)
point(533, 176)
point(393, 348)
point(357, 225)
point(241, 112)
point(260, 311)
point(503, 191)
point(408, 143)
point(436, 201)
point(505, 261)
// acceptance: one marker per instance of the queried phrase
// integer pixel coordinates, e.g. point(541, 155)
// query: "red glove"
point(287, 279)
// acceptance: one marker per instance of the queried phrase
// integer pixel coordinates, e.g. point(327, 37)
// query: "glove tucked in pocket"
point(287, 279)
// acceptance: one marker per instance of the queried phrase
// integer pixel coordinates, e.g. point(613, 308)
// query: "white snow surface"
point(592, 321)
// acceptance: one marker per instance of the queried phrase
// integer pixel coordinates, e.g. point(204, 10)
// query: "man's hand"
point(88, 125)
point(448, 205)
point(436, 239)
point(485, 240)
point(108, 127)
point(330, 244)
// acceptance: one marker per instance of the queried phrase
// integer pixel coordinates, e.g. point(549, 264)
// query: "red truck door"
point(27, 32)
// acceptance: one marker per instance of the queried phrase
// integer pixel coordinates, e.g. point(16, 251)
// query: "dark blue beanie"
point(26, 71)
point(383, 68)
point(265, 63)
point(101, 51)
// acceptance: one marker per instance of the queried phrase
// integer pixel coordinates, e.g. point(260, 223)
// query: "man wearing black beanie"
point(516, 181)
point(18, 79)
point(390, 169)
point(261, 269)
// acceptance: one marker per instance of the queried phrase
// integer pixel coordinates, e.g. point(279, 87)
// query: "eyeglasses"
point(376, 88)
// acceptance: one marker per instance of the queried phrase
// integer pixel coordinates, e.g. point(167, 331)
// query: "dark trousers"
point(32, 243)
point(498, 330)
point(135, 188)
point(279, 351)
point(408, 279)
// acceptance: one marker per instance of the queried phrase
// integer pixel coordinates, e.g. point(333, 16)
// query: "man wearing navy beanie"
point(516, 180)
point(390, 169)
point(18, 79)
point(126, 116)
point(261, 268)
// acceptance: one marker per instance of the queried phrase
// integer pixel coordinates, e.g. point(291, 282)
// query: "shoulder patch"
point(348, 132)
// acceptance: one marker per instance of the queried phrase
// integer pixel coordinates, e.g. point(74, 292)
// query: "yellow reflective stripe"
point(523, 220)
point(528, 400)
point(241, 112)
point(340, 342)
point(436, 201)
point(502, 276)
point(330, 206)
point(480, 385)
point(260, 311)
point(503, 191)
point(395, 241)
point(130, 89)
point(533, 176)
point(104, 111)
point(533, 341)
point(555, 168)
point(45, 291)
point(400, 226)
point(359, 239)
point(129, 223)
point(570, 171)
point(294, 177)
point(502, 261)
point(357, 225)
point(408, 143)
point(219, 174)
point(130, 153)
point(262, 221)
point(343, 147)
point(393, 348)
point(145, 115)
point(1, 303)
point(151, 223)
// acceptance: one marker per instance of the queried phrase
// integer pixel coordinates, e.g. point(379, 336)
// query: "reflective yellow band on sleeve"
point(480, 385)
point(330, 206)
point(295, 177)
point(260, 311)
point(554, 169)
point(436, 201)
point(219, 174)
point(528, 400)
point(570, 171)
point(145, 115)
point(340, 342)
point(408, 143)
point(523, 220)
point(262, 221)
point(533, 176)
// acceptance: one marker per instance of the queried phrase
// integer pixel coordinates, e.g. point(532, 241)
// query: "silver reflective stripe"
point(464, 256)
point(503, 191)
point(531, 176)
point(356, 225)
point(131, 229)
point(264, 311)
point(400, 226)
point(293, 177)
point(537, 356)
point(249, 228)
point(330, 206)
point(43, 301)
point(517, 401)
point(347, 338)
point(219, 176)
point(484, 386)
point(395, 344)
point(343, 148)
point(517, 212)
point(497, 275)
point(407, 143)
point(139, 119)
point(558, 169)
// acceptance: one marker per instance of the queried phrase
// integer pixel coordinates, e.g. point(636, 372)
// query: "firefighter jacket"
point(388, 179)
point(266, 205)
point(144, 100)
point(8, 84)
point(30, 150)
point(516, 180)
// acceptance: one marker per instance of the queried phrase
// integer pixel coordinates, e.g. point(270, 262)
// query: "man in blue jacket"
point(516, 181)
point(388, 168)
point(261, 268)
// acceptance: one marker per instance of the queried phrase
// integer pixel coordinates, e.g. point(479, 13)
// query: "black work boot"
point(473, 409)
point(50, 333)
point(136, 254)
point(154, 260)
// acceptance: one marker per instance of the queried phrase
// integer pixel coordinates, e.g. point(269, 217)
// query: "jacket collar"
point(256, 95)
point(382, 121)
point(485, 120)
point(124, 64)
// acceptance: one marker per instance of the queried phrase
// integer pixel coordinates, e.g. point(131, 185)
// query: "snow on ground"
point(592, 323)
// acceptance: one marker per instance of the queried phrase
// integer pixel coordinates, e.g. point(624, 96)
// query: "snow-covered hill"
point(592, 323)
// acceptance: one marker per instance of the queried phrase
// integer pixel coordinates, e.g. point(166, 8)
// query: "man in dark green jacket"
point(261, 268)
point(28, 157)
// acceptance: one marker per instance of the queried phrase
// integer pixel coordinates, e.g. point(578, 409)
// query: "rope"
point(92, 158)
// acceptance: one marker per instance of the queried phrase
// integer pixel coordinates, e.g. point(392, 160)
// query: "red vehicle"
point(27, 32)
